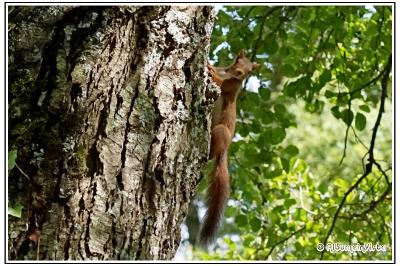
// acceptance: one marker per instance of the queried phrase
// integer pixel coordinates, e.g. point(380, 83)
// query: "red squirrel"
point(229, 79)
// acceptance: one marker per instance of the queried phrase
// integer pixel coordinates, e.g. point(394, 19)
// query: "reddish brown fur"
point(218, 189)
point(223, 129)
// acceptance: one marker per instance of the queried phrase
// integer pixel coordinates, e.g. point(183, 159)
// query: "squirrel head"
point(243, 66)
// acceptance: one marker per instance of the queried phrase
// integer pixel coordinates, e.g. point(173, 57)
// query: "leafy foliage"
point(311, 162)
point(15, 210)
point(12, 156)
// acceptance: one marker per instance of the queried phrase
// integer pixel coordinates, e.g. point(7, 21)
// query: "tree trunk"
point(109, 111)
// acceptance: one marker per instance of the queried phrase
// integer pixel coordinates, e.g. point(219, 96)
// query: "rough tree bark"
point(109, 110)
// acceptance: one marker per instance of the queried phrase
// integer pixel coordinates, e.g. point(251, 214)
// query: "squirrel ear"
point(241, 53)
point(255, 65)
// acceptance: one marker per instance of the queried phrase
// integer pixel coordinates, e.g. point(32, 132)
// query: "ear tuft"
point(241, 53)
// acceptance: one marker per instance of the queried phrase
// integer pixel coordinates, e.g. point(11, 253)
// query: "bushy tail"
point(218, 189)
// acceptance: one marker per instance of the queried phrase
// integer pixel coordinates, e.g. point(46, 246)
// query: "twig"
point(23, 173)
point(346, 136)
point(383, 172)
point(358, 138)
point(345, 145)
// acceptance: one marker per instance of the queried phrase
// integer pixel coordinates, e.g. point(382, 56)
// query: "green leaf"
point(289, 202)
point(12, 156)
point(241, 220)
point(343, 99)
point(316, 106)
point(285, 164)
point(277, 135)
point(255, 224)
point(291, 150)
point(230, 243)
point(372, 30)
point(365, 108)
point(248, 239)
point(279, 109)
point(15, 210)
point(300, 215)
point(329, 94)
point(235, 146)
point(230, 211)
point(274, 217)
point(335, 112)
point(324, 78)
point(304, 84)
point(271, 46)
point(323, 187)
point(298, 166)
point(341, 183)
point(361, 121)
point(283, 226)
point(341, 235)
point(347, 116)
point(267, 117)
point(309, 224)
point(288, 70)
point(290, 89)
point(265, 94)
point(284, 51)
point(247, 194)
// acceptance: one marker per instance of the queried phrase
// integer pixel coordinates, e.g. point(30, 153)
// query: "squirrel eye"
point(239, 72)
